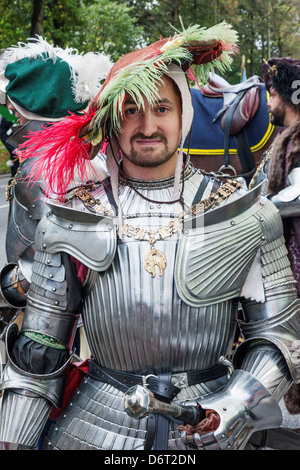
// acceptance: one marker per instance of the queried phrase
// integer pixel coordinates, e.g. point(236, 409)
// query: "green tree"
point(265, 27)
point(110, 27)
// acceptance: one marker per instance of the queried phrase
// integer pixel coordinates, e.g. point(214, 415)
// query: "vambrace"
point(27, 398)
point(53, 297)
point(49, 386)
point(39, 355)
point(277, 319)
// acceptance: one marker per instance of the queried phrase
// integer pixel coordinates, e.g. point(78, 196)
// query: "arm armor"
point(27, 398)
point(288, 199)
point(51, 312)
point(277, 319)
point(13, 286)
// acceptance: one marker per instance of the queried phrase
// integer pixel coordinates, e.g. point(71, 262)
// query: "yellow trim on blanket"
point(255, 148)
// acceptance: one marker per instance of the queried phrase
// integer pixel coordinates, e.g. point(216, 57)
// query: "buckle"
point(145, 377)
point(180, 380)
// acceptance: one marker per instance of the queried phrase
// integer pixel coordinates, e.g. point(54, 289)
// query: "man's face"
point(20, 119)
point(151, 136)
point(277, 108)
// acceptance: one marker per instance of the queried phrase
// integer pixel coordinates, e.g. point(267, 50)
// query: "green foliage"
point(110, 27)
point(266, 27)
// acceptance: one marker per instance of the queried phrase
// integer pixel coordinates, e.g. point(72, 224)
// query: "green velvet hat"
point(47, 83)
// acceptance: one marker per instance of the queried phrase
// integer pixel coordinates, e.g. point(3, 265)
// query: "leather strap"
point(162, 389)
point(160, 441)
point(16, 282)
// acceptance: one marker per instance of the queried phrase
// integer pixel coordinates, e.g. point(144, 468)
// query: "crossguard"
point(140, 402)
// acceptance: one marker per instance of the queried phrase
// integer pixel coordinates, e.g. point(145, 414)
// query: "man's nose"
point(148, 125)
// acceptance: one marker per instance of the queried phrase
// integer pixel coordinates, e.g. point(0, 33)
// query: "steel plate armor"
point(169, 328)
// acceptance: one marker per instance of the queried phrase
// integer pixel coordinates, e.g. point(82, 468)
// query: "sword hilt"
point(140, 402)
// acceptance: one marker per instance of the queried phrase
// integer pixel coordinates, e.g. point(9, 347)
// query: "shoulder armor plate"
point(217, 249)
point(90, 238)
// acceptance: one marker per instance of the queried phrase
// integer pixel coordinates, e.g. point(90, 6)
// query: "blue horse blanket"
point(208, 137)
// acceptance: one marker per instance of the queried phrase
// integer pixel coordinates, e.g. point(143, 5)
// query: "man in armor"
point(156, 259)
point(41, 84)
point(280, 166)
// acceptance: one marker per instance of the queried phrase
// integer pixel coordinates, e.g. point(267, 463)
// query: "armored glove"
point(243, 407)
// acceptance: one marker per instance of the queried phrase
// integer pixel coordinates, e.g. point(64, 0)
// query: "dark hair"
point(282, 74)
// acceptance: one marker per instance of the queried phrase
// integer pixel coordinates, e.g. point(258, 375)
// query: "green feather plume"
point(142, 79)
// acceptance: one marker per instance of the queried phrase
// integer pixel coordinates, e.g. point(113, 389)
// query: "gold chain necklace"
point(265, 159)
point(156, 257)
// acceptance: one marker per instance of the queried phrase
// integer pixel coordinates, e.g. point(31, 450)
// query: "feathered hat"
point(283, 74)
point(193, 53)
point(46, 83)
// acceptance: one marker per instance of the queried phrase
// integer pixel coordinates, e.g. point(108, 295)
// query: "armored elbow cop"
point(276, 319)
point(288, 199)
point(13, 286)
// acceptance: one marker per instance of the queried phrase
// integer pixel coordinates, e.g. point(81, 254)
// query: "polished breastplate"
point(137, 322)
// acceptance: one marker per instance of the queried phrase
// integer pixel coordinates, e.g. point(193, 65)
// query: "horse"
point(231, 126)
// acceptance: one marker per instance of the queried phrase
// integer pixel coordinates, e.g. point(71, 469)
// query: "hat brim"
point(31, 116)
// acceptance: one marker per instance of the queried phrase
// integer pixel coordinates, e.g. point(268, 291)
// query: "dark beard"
point(145, 159)
point(278, 117)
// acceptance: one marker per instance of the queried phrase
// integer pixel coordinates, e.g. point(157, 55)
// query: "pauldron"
point(91, 238)
point(211, 268)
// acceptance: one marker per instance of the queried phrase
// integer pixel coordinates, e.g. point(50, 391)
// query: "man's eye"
point(131, 111)
point(161, 109)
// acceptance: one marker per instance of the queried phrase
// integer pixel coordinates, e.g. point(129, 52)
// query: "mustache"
point(155, 136)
